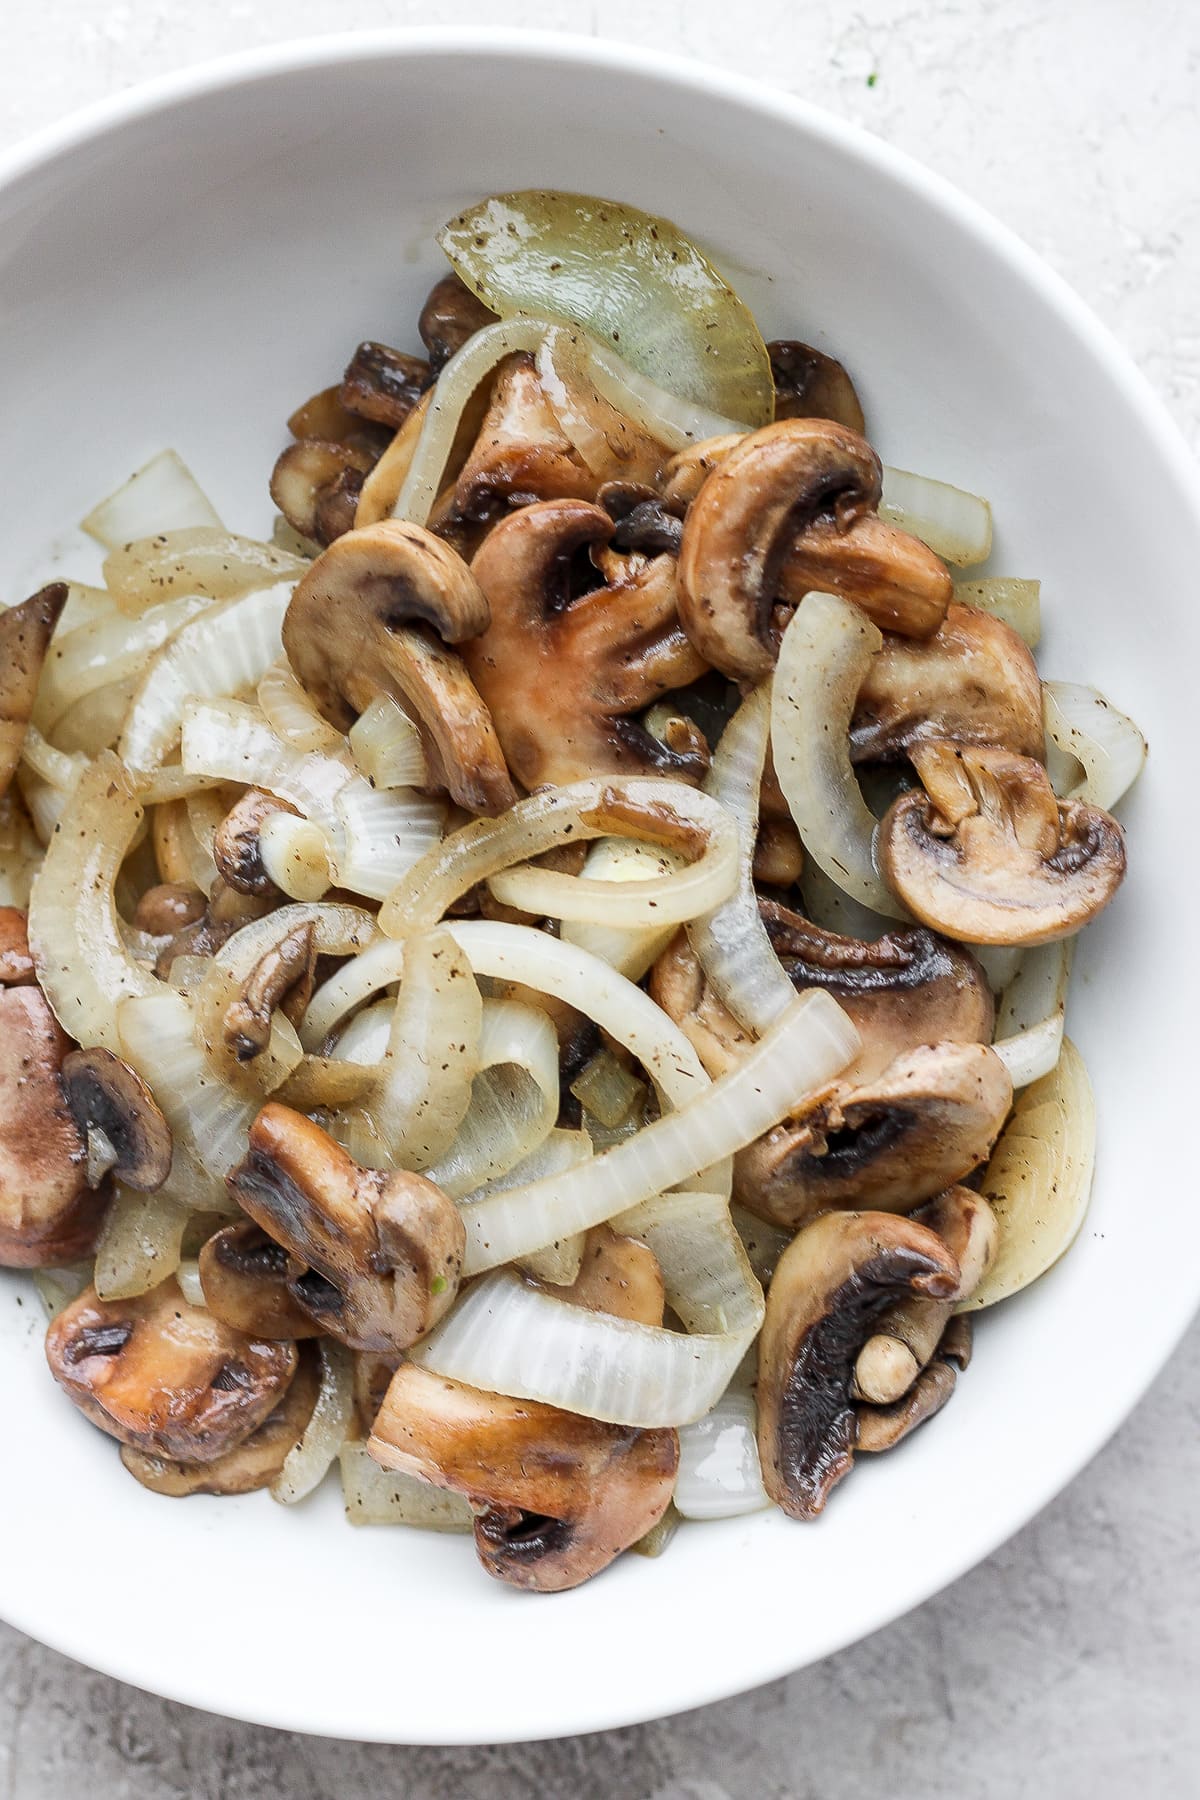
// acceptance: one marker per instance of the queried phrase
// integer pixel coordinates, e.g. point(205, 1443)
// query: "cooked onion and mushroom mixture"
point(544, 983)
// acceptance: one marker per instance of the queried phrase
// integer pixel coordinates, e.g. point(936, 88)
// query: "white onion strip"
point(378, 1496)
point(163, 496)
point(140, 1242)
point(720, 1475)
point(111, 650)
point(732, 943)
point(514, 1099)
point(290, 713)
point(1084, 725)
point(208, 1121)
point(386, 745)
point(630, 950)
point(957, 526)
point(568, 357)
point(1014, 601)
point(307, 1463)
point(825, 654)
point(1032, 1013)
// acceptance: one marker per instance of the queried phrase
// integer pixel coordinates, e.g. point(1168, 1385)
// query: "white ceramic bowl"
point(181, 266)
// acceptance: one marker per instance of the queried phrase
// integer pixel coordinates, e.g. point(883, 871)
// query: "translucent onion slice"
point(826, 651)
point(190, 1285)
point(1039, 1179)
point(803, 1050)
point(630, 950)
point(1087, 727)
point(956, 525)
point(365, 1039)
point(306, 1465)
point(1032, 1012)
point(514, 1099)
point(296, 854)
point(376, 1496)
point(140, 1244)
point(1001, 963)
point(60, 769)
point(291, 714)
point(83, 963)
point(764, 1244)
point(208, 1121)
point(385, 835)
point(386, 745)
point(516, 1339)
point(85, 604)
point(607, 1089)
point(732, 943)
point(613, 414)
point(223, 652)
point(58, 1287)
point(627, 278)
point(720, 1475)
point(163, 496)
point(201, 560)
point(1017, 603)
point(644, 808)
point(111, 649)
point(94, 723)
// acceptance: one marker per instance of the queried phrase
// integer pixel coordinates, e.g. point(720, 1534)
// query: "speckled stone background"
point(1068, 1665)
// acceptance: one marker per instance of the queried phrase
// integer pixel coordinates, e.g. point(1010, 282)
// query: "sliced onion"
point(1032, 1012)
point(110, 650)
point(1088, 728)
point(576, 369)
point(201, 560)
point(377, 1496)
point(630, 950)
point(163, 496)
point(233, 742)
point(764, 1244)
point(58, 1287)
point(514, 1099)
point(384, 835)
point(1015, 602)
point(1001, 963)
point(208, 1121)
point(84, 605)
point(825, 654)
point(956, 525)
point(83, 964)
point(94, 723)
point(720, 1475)
point(296, 855)
point(224, 652)
point(732, 943)
point(1039, 1179)
point(607, 1089)
point(365, 1039)
point(308, 1462)
point(59, 768)
point(515, 1339)
point(140, 1242)
point(291, 714)
point(190, 1285)
point(807, 1046)
point(177, 850)
point(830, 907)
point(386, 745)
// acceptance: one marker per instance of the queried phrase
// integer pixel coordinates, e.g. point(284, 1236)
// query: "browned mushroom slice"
point(832, 1283)
point(686, 473)
point(382, 384)
point(778, 854)
point(25, 633)
point(521, 453)
point(677, 984)
point(16, 961)
point(617, 1275)
point(811, 385)
point(316, 484)
point(48, 1214)
point(929, 1119)
point(237, 846)
point(974, 681)
point(641, 519)
point(451, 314)
point(323, 416)
point(163, 1376)
point(792, 507)
point(250, 1465)
point(375, 1257)
point(244, 1275)
point(986, 852)
point(565, 673)
point(118, 1119)
point(377, 612)
point(169, 907)
point(558, 1496)
point(281, 979)
point(882, 1427)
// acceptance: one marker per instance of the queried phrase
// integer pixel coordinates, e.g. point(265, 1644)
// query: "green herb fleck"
point(873, 78)
point(438, 1285)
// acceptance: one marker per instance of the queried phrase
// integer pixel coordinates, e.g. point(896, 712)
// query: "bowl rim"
point(56, 142)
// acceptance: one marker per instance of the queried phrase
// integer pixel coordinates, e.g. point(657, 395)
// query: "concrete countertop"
point(1069, 1664)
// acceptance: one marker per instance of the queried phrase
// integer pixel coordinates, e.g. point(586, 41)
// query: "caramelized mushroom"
point(16, 960)
point(882, 1427)
point(832, 1283)
point(169, 907)
point(564, 673)
point(375, 1258)
point(811, 385)
point(558, 1496)
point(382, 384)
point(316, 485)
point(618, 1275)
point(244, 1276)
point(163, 1376)
point(689, 469)
point(237, 849)
point(986, 852)
point(282, 979)
point(450, 316)
point(25, 633)
point(377, 612)
point(48, 1214)
point(789, 508)
point(118, 1119)
point(521, 453)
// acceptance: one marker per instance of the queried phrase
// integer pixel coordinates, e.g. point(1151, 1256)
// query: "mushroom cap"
point(563, 674)
point(811, 385)
point(382, 384)
point(244, 1275)
point(559, 1496)
point(308, 478)
point(248, 1466)
point(832, 1283)
point(986, 852)
point(25, 633)
point(618, 1275)
point(375, 614)
point(375, 1257)
point(451, 314)
point(929, 1119)
point(48, 1214)
point(168, 907)
point(521, 453)
point(164, 1376)
point(105, 1094)
point(974, 681)
point(237, 849)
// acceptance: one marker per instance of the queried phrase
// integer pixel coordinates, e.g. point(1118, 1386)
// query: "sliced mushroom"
point(244, 1275)
point(832, 1283)
point(677, 984)
point(169, 907)
point(48, 1214)
point(617, 1275)
point(882, 1427)
point(237, 846)
point(316, 484)
point(281, 979)
point(974, 680)
point(558, 1496)
point(450, 316)
point(929, 1119)
point(985, 851)
point(641, 519)
point(521, 453)
point(118, 1119)
point(377, 612)
point(16, 960)
point(792, 507)
point(250, 1465)
point(25, 633)
point(564, 674)
point(687, 472)
point(778, 854)
point(811, 385)
point(382, 384)
point(911, 1331)
point(163, 1376)
point(375, 1257)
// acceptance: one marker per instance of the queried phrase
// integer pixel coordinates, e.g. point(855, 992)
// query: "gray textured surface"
point(1069, 1664)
